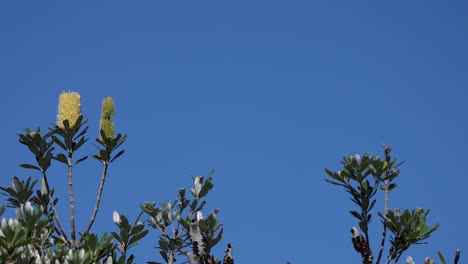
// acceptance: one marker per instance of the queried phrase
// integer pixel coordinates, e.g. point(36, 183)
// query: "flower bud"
point(108, 111)
point(197, 186)
point(116, 217)
point(409, 260)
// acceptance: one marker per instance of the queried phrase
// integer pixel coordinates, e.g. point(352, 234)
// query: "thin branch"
point(54, 211)
point(382, 244)
point(399, 255)
point(384, 232)
point(72, 201)
point(98, 200)
point(171, 257)
point(386, 193)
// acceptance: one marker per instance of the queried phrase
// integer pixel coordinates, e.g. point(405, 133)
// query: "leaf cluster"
point(362, 178)
point(407, 228)
point(179, 219)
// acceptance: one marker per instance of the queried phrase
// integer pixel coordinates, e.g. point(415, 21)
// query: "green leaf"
point(82, 132)
point(120, 140)
point(116, 236)
point(334, 183)
point(34, 150)
point(104, 155)
point(29, 166)
point(205, 189)
point(80, 143)
point(44, 163)
point(201, 206)
point(80, 160)
point(392, 186)
point(59, 142)
point(137, 229)
point(117, 155)
point(138, 236)
point(68, 141)
point(164, 255)
point(442, 259)
point(24, 139)
point(62, 158)
point(357, 215)
point(363, 226)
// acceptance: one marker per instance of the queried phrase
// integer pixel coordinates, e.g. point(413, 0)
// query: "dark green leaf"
point(62, 158)
point(117, 155)
point(104, 155)
point(80, 143)
point(357, 215)
point(80, 160)
point(29, 166)
point(59, 142)
point(164, 255)
point(442, 259)
point(138, 236)
point(363, 226)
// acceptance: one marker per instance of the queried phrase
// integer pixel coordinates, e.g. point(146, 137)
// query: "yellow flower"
point(108, 111)
point(69, 108)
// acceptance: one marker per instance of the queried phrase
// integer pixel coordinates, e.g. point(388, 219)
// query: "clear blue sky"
point(268, 93)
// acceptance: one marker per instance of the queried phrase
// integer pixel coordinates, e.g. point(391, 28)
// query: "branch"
point(70, 192)
point(56, 217)
point(382, 244)
point(98, 200)
point(387, 150)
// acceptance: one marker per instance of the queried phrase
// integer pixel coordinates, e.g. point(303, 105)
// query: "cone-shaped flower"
point(108, 111)
point(69, 108)
point(197, 239)
point(228, 259)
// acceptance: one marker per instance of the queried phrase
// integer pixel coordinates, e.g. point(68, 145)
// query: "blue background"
point(268, 93)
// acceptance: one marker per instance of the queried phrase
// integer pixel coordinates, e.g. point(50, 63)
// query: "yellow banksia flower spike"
point(69, 108)
point(108, 111)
